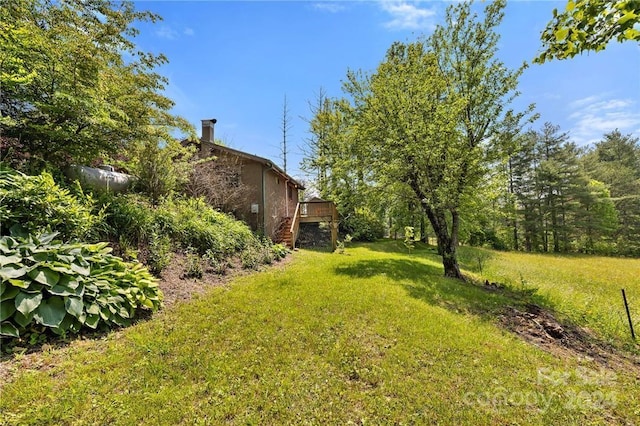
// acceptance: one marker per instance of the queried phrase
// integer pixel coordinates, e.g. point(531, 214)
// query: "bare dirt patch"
point(540, 327)
point(178, 288)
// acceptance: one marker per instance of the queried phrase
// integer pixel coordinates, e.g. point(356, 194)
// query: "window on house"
point(290, 192)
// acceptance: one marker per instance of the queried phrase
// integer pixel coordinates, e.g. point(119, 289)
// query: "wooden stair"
point(283, 234)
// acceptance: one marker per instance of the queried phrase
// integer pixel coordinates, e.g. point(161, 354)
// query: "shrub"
point(218, 265)
point(48, 284)
point(159, 252)
point(193, 267)
point(250, 257)
point(199, 226)
point(363, 227)
point(129, 215)
point(38, 204)
point(279, 251)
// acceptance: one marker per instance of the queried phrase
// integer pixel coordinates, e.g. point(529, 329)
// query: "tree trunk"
point(447, 240)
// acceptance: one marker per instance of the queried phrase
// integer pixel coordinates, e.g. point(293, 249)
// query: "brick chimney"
point(207, 138)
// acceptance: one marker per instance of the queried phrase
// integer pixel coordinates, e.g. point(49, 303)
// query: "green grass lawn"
point(375, 336)
point(584, 289)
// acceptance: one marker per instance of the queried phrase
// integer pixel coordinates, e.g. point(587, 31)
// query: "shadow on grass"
point(425, 282)
point(397, 246)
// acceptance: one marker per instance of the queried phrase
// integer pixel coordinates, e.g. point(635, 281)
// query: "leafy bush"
point(38, 204)
point(47, 284)
point(279, 251)
point(217, 265)
point(250, 257)
point(129, 215)
point(199, 226)
point(193, 267)
point(363, 227)
point(159, 252)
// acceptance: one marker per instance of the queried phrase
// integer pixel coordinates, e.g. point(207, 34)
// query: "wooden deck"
point(315, 212)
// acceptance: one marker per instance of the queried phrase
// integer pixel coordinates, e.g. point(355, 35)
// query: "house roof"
point(264, 161)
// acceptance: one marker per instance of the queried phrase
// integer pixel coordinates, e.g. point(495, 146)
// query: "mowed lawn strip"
point(373, 336)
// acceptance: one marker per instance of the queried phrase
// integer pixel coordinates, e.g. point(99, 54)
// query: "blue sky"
point(236, 61)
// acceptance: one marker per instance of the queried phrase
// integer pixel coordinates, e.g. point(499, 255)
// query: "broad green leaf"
point(561, 34)
point(20, 283)
point(626, 17)
point(40, 257)
point(8, 292)
point(65, 324)
point(45, 276)
point(65, 290)
point(82, 270)
point(148, 303)
point(12, 271)
point(92, 320)
point(7, 308)
point(105, 314)
point(4, 246)
point(63, 269)
point(51, 312)
point(123, 312)
point(47, 238)
point(15, 258)
point(93, 309)
point(27, 303)
point(22, 320)
point(74, 306)
point(8, 329)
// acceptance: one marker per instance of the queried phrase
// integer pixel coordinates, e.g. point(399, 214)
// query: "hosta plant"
point(67, 287)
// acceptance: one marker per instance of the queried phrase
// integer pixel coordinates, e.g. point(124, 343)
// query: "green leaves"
point(65, 287)
point(26, 303)
point(588, 25)
point(51, 312)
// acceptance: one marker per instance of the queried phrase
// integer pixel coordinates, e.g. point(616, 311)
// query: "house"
point(269, 197)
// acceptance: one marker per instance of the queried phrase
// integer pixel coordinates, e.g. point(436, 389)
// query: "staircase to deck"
point(283, 234)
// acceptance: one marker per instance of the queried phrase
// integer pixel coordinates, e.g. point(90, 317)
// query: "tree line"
point(428, 140)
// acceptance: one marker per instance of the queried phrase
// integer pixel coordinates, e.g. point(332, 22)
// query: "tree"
point(217, 180)
point(589, 25)
point(465, 49)
point(285, 127)
point(615, 161)
point(427, 121)
point(74, 86)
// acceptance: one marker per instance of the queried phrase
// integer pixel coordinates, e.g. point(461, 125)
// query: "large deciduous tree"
point(74, 86)
point(430, 116)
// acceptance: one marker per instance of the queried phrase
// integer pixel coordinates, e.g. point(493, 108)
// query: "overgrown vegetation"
point(377, 337)
point(75, 87)
point(47, 284)
point(65, 286)
point(38, 204)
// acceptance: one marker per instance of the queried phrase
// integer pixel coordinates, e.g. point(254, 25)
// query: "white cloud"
point(167, 32)
point(408, 16)
point(594, 116)
point(329, 6)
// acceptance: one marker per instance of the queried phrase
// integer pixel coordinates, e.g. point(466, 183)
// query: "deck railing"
point(295, 226)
